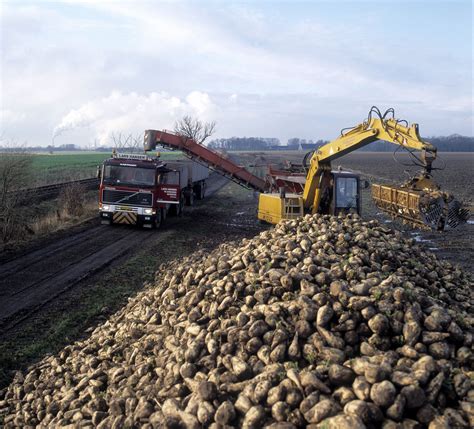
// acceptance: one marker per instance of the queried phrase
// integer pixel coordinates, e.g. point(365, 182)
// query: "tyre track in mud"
point(20, 305)
point(36, 256)
point(35, 279)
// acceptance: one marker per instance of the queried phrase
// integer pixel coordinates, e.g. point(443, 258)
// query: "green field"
point(55, 168)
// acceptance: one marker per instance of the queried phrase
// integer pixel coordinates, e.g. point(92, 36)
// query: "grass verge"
point(42, 220)
point(57, 168)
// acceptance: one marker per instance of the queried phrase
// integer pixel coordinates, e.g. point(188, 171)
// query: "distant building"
point(284, 147)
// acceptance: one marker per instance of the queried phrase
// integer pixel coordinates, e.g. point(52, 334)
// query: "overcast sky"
point(81, 70)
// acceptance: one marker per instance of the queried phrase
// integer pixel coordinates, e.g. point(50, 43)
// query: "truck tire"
point(190, 199)
point(177, 209)
point(199, 190)
point(158, 219)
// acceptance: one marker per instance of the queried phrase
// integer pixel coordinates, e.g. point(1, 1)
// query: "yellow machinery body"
point(418, 201)
point(272, 208)
point(421, 204)
point(399, 202)
point(341, 195)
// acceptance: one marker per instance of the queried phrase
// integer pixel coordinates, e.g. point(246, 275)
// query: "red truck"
point(142, 190)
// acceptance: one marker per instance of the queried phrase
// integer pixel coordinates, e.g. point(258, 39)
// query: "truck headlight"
point(148, 211)
point(105, 207)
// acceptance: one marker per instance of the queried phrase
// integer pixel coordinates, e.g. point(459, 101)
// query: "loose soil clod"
point(327, 322)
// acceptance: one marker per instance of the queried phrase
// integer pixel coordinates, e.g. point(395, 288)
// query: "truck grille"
point(127, 198)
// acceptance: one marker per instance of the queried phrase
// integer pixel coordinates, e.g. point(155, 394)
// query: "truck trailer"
point(142, 190)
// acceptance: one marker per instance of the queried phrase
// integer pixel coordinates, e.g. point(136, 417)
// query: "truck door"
point(168, 188)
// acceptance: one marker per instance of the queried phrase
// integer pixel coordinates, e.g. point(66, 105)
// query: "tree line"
point(244, 143)
point(453, 143)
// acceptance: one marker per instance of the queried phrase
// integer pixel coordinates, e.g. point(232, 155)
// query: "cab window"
point(172, 178)
point(346, 192)
point(132, 176)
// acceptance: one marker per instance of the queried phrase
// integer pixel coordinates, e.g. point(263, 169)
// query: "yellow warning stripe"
point(125, 217)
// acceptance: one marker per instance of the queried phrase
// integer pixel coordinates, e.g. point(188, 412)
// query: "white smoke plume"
point(132, 113)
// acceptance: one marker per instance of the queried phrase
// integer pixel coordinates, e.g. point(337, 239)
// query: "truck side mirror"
point(99, 172)
point(365, 184)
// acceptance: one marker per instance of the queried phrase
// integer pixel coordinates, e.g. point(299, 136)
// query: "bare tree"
point(137, 143)
point(15, 168)
point(127, 142)
point(194, 129)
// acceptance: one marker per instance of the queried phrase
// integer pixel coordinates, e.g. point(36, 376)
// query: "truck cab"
point(142, 190)
point(131, 190)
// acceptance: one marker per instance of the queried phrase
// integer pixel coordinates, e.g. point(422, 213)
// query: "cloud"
point(274, 69)
point(200, 104)
point(10, 116)
point(132, 113)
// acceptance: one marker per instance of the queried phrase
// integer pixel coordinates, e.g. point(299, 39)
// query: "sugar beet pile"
point(328, 322)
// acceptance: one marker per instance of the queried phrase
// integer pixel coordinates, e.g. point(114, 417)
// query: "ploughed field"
point(456, 177)
point(380, 167)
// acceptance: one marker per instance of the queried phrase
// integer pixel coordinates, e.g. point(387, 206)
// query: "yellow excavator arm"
point(419, 201)
point(390, 130)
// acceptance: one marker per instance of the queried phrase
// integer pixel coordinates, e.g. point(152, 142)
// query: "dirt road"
point(34, 279)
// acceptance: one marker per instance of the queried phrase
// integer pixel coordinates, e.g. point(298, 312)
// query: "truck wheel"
point(199, 191)
point(174, 210)
point(190, 199)
point(177, 209)
point(158, 219)
point(180, 207)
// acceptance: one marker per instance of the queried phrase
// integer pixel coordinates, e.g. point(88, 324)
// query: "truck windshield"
point(346, 192)
point(135, 176)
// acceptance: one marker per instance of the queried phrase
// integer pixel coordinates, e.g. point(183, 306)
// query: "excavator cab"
point(340, 193)
point(346, 193)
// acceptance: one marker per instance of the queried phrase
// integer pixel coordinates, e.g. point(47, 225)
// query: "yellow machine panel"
point(273, 208)
point(418, 208)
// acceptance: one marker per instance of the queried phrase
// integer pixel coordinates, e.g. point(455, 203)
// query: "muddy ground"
point(50, 267)
point(66, 285)
point(457, 177)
